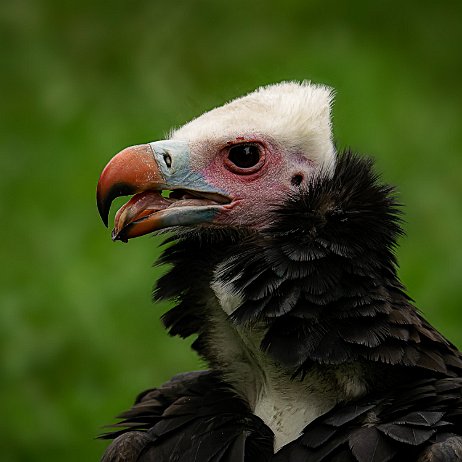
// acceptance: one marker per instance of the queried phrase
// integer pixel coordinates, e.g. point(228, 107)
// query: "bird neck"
point(319, 285)
point(285, 404)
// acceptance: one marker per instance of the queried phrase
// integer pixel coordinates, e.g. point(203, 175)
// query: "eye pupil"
point(244, 155)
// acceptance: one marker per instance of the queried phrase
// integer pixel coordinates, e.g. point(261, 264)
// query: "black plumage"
point(394, 426)
point(195, 416)
point(321, 283)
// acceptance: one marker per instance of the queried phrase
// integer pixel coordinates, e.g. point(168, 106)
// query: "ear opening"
point(297, 179)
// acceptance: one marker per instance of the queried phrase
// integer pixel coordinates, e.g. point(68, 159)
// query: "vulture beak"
point(147, 170)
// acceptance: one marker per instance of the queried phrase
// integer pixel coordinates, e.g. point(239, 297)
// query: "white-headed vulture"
point(283, 268)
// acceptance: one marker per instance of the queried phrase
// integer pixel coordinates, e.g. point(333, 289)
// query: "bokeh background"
point(79, 81)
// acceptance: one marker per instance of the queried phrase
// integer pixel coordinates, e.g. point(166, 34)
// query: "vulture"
point(282, 266)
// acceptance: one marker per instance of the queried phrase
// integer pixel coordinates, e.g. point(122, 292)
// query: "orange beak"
point(129, 172)
point(145, 170)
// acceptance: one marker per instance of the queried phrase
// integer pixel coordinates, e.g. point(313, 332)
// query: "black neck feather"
point(322, 278)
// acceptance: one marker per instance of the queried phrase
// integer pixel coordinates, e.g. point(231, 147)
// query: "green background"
point(80, 80)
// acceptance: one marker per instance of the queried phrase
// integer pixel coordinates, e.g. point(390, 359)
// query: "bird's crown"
point(296, 115)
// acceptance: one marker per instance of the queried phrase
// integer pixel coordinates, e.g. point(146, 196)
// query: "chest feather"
point(286, 406)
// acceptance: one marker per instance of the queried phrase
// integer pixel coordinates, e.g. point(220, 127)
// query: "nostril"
point(167, 159)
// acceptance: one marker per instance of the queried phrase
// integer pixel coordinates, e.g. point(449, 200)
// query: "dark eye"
point(244, 155)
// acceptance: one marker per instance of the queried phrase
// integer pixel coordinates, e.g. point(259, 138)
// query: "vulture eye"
point(244, 158)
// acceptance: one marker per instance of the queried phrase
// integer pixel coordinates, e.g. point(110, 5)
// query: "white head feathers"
point(295, 115)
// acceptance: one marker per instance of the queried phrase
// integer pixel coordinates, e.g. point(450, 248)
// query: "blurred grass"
point(79, 81)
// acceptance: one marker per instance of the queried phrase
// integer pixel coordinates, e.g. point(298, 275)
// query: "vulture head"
point(227, 168)
point(273, 227)
point(283, 266)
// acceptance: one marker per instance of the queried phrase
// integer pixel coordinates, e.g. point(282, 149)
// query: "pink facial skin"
point(256, 191)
